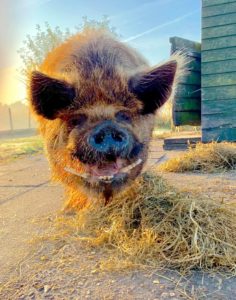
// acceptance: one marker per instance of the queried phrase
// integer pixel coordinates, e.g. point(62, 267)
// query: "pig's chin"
point(108, 172)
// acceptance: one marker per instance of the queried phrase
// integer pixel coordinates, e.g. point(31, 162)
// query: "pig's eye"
point(123, 116)
point(78, 120)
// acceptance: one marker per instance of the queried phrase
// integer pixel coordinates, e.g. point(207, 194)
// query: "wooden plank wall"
point(187, 100)
point(218, 70)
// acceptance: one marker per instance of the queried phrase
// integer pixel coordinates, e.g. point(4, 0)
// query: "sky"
point(144, 25)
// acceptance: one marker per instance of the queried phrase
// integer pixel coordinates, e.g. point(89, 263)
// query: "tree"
point(36, 47)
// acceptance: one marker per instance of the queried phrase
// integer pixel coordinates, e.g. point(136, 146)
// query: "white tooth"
point(106, 178)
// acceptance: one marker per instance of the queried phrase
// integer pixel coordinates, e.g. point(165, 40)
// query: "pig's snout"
point(109, 138)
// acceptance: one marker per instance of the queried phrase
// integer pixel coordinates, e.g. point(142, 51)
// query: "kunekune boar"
point(95, 100)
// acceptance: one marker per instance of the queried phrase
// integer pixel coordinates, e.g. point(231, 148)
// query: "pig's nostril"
point(99, 138)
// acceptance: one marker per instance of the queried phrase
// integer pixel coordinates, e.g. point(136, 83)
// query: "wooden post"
point(10, 118)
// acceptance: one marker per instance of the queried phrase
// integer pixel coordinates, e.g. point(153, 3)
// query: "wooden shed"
point(218, 70)
point(217, 78)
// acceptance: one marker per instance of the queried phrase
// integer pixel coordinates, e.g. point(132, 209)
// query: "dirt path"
point(26, 194)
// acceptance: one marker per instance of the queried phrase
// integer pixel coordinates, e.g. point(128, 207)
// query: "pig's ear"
point(50, 96)
point(154, 87)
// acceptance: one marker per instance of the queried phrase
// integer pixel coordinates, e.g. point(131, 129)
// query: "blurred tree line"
point(46, 38)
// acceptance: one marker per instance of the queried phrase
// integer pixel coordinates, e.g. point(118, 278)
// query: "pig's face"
point(98, 131)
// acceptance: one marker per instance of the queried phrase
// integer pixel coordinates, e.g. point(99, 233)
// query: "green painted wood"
point(219, 134)
point(192, 78)
point(206, 3)
point(219, 54)
point(219, 9)
point(218, 31)
point(187, 104)
point(188, 91)
point(187, 118)
point(182, 140)
point(219, 106)
point(192, 54)
point(219, 20)
point(219, 80)
point(181, 143)
point(219, 67)
point(218, 120)
point(190, 48)
point(218, 43)
point(219, 93)
point(178, 43)
point(194, 65)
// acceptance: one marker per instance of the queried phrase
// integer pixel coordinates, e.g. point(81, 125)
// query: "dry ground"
point(27, 195)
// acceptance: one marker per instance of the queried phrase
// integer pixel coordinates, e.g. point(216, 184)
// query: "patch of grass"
point(162, 133)
point(208, 158)
point(14, 148)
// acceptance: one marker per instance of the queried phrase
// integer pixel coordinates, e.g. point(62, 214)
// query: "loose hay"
point(212, 157)
point(153, 224)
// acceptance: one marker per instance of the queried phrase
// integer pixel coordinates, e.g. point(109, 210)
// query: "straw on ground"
point(209, 158)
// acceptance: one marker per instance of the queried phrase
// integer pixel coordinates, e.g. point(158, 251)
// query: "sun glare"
point(12, 87)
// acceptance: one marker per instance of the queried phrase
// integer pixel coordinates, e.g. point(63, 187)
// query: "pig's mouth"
point(107, 172)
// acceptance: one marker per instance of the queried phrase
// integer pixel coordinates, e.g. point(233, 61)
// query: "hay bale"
point(153, 224)
point(210, 158)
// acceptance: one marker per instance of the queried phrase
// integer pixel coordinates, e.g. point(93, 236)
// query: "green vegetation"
point(36, 47)
point(15, 148)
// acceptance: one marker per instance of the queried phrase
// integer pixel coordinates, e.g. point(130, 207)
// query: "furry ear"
point(49, 96)
point(154, 87)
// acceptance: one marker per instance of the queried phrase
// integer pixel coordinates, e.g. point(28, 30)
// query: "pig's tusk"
point(105, 178)
point(72, 171)
point(130, 167)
